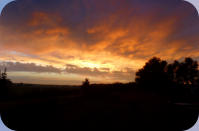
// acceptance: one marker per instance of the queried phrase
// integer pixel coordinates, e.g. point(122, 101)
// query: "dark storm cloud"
point(71, 69)
point(122, 75)
point(28, 67)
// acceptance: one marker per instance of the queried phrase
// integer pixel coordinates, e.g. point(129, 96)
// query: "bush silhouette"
point(86, 83)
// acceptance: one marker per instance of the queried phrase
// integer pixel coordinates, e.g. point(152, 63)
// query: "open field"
point(103, 107)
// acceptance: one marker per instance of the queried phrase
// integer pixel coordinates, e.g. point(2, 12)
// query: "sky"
point(66, 41)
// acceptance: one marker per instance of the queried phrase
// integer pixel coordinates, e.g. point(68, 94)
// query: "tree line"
point(156, 74)
point(159, 75)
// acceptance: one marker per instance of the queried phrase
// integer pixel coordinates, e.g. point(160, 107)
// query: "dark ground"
point(113, 108)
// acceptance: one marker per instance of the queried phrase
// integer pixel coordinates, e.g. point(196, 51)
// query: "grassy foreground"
point(114, 106)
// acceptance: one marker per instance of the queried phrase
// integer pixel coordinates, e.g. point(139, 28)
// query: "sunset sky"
point(65, 41)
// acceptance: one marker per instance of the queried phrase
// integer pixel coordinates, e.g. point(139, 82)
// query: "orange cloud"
point(98, 37)
point(44, 19)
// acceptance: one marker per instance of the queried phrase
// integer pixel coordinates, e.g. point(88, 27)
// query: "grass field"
point(114, 106)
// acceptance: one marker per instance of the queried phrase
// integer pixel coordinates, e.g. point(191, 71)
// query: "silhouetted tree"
point(4, 74)
point(153, 75)
point(4, 83)
point(184, 73)
point(86, 83)
point(158, 75)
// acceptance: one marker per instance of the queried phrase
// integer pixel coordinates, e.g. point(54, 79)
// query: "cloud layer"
point(92, 38)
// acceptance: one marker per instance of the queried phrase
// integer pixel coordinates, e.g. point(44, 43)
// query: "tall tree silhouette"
point(4, 83)
point(153, 75)
point(4, 74)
